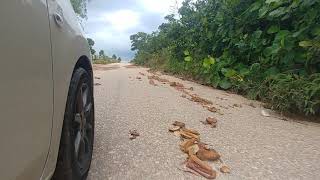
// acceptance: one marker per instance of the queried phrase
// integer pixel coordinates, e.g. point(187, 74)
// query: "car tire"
point(76, 143)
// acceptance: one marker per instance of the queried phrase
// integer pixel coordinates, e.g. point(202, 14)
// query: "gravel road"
point(252, 145)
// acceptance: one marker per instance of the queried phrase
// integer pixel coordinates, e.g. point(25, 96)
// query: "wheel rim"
point(83, 126)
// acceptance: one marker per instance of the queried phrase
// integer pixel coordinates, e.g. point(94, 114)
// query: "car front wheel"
point(76, 144)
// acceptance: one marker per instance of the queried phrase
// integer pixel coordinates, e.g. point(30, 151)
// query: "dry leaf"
point(191, 88)
point(138, 77)
point(237, 105)
point(225, 169)
point(97, 78)
point(180, 124)
point(97, 84)
point(174, 128)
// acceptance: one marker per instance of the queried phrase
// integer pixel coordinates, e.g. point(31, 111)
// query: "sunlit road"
point(252, 145)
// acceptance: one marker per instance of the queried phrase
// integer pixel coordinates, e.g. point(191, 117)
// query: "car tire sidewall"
point(67, 165)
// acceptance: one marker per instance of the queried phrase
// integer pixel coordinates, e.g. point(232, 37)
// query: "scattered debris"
point(225, 169)
point(201, 167)
point(97, 84)
point(180, 124)
point(198, 99)
point(211, 121)
point(177, 85)
point(212, 109)
point(141, 73)
point(138, 77)
point(97, 77)
point(237, 105)
point(207, 154)
point(133, 134)
point(152, 82)
point(198, 152)
point(174, 128)
point(265, 113)
point(191, 88)
point(157, 78)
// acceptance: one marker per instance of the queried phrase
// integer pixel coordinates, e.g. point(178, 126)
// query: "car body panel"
point(26, 105)
point(68, 46)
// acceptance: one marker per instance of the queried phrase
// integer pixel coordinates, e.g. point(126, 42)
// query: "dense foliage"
point(266, 49)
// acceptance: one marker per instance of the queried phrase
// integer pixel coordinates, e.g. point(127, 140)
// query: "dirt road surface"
point(252, 145)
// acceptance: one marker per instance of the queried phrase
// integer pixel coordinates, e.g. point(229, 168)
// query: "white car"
point(46, 100)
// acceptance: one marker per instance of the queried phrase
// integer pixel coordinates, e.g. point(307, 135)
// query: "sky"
point(111, 22)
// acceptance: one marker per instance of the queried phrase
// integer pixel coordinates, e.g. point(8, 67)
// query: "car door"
point(26, 90)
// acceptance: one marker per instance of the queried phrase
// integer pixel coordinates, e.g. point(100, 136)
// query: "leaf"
point(207, 62)
point(186, 52)
point(228, 72)
point(273, 29)
point(305, 43)
point(271, 1)
point(225, 84)
point(188, 58)
point(278, 12)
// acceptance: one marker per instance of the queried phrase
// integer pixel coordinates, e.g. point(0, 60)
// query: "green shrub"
point(265, 49)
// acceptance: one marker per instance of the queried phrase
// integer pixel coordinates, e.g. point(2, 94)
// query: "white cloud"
point(163, 7)
point(122, 20)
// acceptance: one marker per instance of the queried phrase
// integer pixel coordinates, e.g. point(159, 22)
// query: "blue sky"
point(111, 22)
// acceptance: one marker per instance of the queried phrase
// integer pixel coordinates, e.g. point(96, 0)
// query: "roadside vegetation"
point(101, 58)
point(268, 50)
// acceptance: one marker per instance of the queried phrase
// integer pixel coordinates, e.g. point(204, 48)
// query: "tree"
point(80, 7)
point(119, 59)
point(114, 56)
point(91, 44)
point(102, 54)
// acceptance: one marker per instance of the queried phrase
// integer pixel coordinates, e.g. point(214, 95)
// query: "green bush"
point(266, 49)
